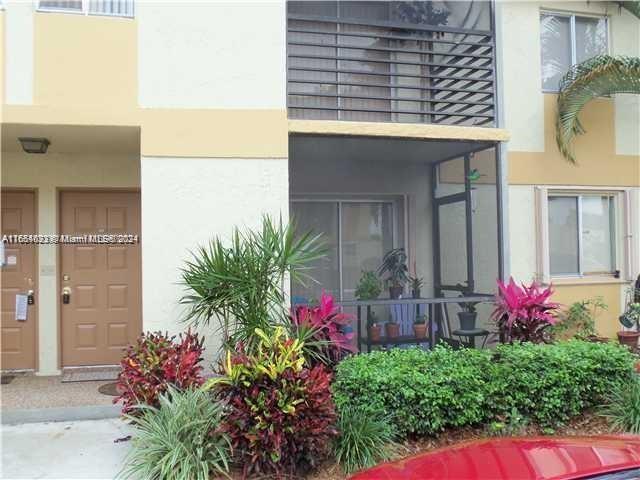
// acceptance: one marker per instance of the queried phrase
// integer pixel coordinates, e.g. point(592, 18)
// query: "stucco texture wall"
point(185, 203)
point(608, 154)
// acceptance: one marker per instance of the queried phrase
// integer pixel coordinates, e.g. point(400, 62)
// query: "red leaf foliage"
point(280, 427)
point(155, 362)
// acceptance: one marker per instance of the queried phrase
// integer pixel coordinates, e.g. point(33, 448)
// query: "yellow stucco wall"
point(595, 151)
point(598, 165)
point(86, 73)
point(1, 62)
point(85, 61)
point(607, 321)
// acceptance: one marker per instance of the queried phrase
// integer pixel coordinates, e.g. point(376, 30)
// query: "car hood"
point(516, 458)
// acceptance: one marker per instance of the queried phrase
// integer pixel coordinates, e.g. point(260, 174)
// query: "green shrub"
point(178, 440)
point(363, 440)
point(623, 407)
point(551, 383)
point(423, 392)
point(426, 392)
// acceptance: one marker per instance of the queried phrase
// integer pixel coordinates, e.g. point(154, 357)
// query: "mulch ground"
point(588, 424)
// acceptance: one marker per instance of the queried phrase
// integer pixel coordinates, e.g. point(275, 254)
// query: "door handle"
point(30, 298)
point(66, 295)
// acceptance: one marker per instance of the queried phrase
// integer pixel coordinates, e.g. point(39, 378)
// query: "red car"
point(597, 458)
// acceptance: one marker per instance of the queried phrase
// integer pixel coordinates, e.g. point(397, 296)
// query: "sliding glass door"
point(357, 234)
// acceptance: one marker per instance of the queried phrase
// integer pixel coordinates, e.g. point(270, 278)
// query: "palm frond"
point(633, 6)
point(599, 76)
point(240, 284)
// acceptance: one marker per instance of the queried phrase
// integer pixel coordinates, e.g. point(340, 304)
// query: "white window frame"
point(572, 33)
point(623, 233)
point(340, 200)
point(85, 10)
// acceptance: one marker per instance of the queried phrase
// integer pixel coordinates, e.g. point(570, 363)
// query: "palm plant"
point(599, 76)
point(242, 286)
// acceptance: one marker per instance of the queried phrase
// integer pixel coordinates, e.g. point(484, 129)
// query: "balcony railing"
point(111, 8)
point(435, 311)
point(390, 72)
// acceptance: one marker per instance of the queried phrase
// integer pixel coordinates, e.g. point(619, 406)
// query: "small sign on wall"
point(21, 307)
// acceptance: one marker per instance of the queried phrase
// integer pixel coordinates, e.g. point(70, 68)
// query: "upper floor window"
point(115, 8)
point(566, 40)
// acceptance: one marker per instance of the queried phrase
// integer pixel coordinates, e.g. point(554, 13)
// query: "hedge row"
point(428, 391)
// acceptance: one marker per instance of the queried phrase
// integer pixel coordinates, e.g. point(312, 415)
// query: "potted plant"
point(416, 284)
point(420, 326)
point(392, 329)
point(467, 316)
point(394, 266)
point(374, 329)
point(629, 319)
point(369, 288)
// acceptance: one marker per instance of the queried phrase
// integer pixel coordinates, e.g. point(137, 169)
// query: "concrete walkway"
point(65, 450)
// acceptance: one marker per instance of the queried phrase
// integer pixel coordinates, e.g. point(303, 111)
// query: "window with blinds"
point(115, 8)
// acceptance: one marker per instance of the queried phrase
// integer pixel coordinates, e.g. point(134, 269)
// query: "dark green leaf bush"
point(423, 392)
point(426, 392)
point(551, 383)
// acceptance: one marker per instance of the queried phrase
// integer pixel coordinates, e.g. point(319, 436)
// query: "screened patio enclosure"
point(437, 199)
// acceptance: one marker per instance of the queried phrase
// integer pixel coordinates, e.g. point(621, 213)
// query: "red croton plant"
point(280, 416)
point(328, 322)
point(522, 312)
point(155, 362)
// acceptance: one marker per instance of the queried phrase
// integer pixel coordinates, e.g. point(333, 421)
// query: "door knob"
point(66, 295)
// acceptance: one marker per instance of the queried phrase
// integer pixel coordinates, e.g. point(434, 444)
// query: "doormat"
point(109, 389)
point(6, 379)
point(90, 375)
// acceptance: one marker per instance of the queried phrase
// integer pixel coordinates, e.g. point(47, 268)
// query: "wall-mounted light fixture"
point(34, 144)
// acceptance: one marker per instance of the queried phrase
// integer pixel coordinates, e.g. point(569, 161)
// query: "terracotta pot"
point(395, 292)
point(637, 367)
point(393, 329)
point(374, 333)
point(420, 330)
point(630, 339)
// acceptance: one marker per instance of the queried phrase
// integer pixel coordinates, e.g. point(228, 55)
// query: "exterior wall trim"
point(397, 130)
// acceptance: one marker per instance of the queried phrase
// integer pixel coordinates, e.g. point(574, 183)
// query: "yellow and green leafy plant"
point(280, 413)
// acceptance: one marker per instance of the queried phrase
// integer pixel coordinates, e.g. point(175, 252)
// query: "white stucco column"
point(185, 203)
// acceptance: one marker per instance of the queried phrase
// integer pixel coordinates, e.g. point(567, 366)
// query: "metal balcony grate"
point(388, 71)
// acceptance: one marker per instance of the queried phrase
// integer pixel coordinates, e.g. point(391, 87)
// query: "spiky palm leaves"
point(632, 6)
point(240, 283)
point(599, 76)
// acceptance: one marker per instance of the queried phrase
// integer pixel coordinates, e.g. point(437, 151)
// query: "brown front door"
point(18, 277)
point(104, 313)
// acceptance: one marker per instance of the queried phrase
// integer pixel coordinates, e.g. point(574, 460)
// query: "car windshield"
point(623, 475)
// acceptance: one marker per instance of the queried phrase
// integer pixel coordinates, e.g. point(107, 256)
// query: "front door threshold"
point(91, 373)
